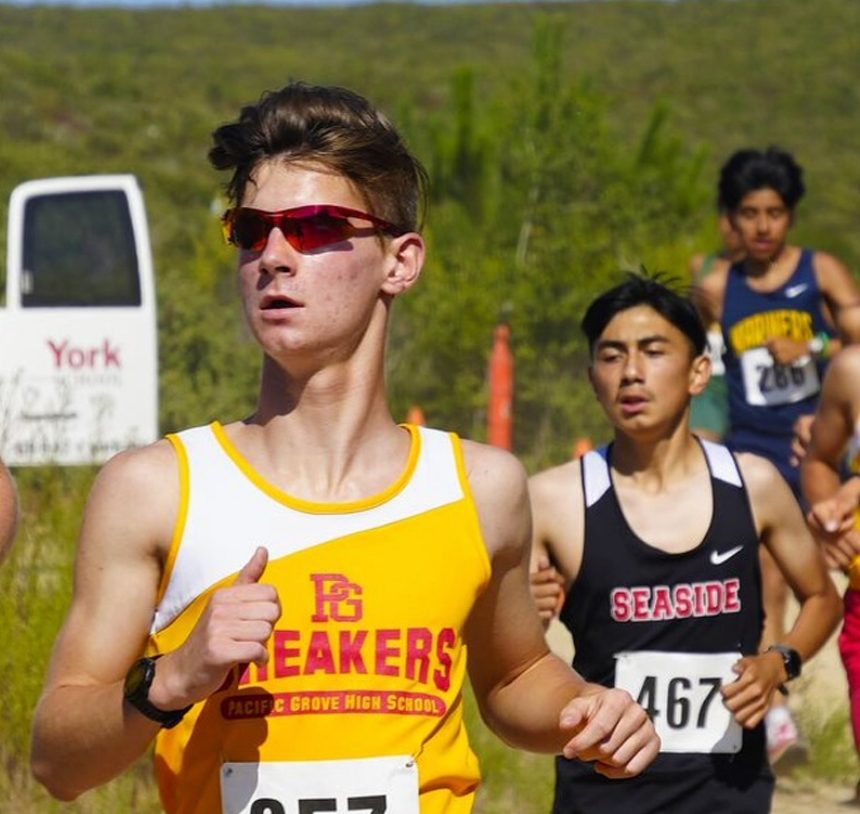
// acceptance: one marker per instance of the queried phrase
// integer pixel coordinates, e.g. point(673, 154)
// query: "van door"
point(78, 343)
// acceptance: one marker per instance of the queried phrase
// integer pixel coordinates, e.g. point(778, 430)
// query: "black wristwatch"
point(138, 680)
point(790, 659)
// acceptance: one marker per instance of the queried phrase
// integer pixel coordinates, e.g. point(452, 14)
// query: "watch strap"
point(790, 659)
point(136, 691)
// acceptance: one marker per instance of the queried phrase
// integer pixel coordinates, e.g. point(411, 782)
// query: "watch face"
point(138, 678)
point(790, 658)
point(792, 663)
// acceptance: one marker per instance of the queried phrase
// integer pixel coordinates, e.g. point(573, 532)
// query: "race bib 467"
point(681, 694)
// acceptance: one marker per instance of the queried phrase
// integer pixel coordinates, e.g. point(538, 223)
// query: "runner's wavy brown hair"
point(331, 127)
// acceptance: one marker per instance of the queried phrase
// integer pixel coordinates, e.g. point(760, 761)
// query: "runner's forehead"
point(638, 325)
point(276, 186)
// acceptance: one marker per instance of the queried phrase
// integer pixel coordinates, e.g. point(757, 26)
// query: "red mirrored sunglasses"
point(305, 227)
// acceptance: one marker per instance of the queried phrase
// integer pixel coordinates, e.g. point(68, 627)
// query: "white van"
point(78, 346)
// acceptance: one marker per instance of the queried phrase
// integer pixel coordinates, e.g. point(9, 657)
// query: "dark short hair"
point(749, 170)
point(335, 128)
point(657, 291)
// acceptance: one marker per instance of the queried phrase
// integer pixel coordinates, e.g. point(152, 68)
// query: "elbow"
point(53, 774)
point(53, 782)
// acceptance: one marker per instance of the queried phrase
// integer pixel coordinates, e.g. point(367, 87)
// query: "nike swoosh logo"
point(719, 557)
point(796, 290)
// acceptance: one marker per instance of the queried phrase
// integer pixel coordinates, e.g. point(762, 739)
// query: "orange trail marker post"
point(416, 416)
point(581, 446)
point(500, 419)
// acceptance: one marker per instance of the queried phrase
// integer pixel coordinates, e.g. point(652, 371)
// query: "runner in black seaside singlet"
point(682, 620)
point(655, 540)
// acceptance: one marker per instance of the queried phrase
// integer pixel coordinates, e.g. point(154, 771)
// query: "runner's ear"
point(700, 374)
point(404, 261)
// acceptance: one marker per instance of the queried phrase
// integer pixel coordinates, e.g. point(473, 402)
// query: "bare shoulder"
point(710, 290)
point(500, 488)
point(835, 280)
point(827, 263)
point(841, 387)
point(697, 263)
point(715, 280)
point(145, 470)
point(556, 481)
point(771, 498)
point(758, 472)
point(136, 493)
point(492, 470)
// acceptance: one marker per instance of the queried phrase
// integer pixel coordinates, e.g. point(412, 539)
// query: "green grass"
point(832, 751)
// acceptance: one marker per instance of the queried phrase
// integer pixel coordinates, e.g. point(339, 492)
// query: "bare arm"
point(557, 526)
point(832, 428)
point(782, 529)
point(842, 295)
point(83, 733)
point(528, 696)
point(833, 504)
point(8, 511)
point(709, 293)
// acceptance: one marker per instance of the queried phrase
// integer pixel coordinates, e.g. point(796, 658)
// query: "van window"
point(79, 250)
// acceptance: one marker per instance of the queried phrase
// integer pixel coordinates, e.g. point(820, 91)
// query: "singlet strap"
point(722, 463)
point(595, 474)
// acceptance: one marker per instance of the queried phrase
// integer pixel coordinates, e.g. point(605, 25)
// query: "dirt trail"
point(796, 797)
point(821, 691)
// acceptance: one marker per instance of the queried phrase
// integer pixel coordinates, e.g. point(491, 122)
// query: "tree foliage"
point(565, 142)
point(536, 208)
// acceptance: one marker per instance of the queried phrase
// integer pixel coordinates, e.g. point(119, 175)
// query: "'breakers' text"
point(644, 603)
point(414, 653)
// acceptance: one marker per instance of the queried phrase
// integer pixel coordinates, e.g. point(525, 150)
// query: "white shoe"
point(785, 747)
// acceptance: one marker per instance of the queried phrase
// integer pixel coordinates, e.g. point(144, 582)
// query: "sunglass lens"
point(316, 231)
point(249, 230)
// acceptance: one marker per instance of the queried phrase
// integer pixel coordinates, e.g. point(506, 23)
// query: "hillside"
point(96, 90)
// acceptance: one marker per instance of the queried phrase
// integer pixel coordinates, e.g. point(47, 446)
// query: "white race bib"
point(379, 785)
point(767, 383)
point(681, 693)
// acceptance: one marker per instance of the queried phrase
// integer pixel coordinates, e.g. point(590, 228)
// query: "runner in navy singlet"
point(779, 308)
point(783, 310)
point(656, 539)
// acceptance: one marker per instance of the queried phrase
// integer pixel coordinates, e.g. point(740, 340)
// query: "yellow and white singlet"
point(359, 707)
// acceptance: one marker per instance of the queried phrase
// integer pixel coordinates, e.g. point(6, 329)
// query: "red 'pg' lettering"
point(71, 357)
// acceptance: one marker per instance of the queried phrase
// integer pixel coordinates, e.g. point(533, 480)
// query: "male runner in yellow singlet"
point(285, 602)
